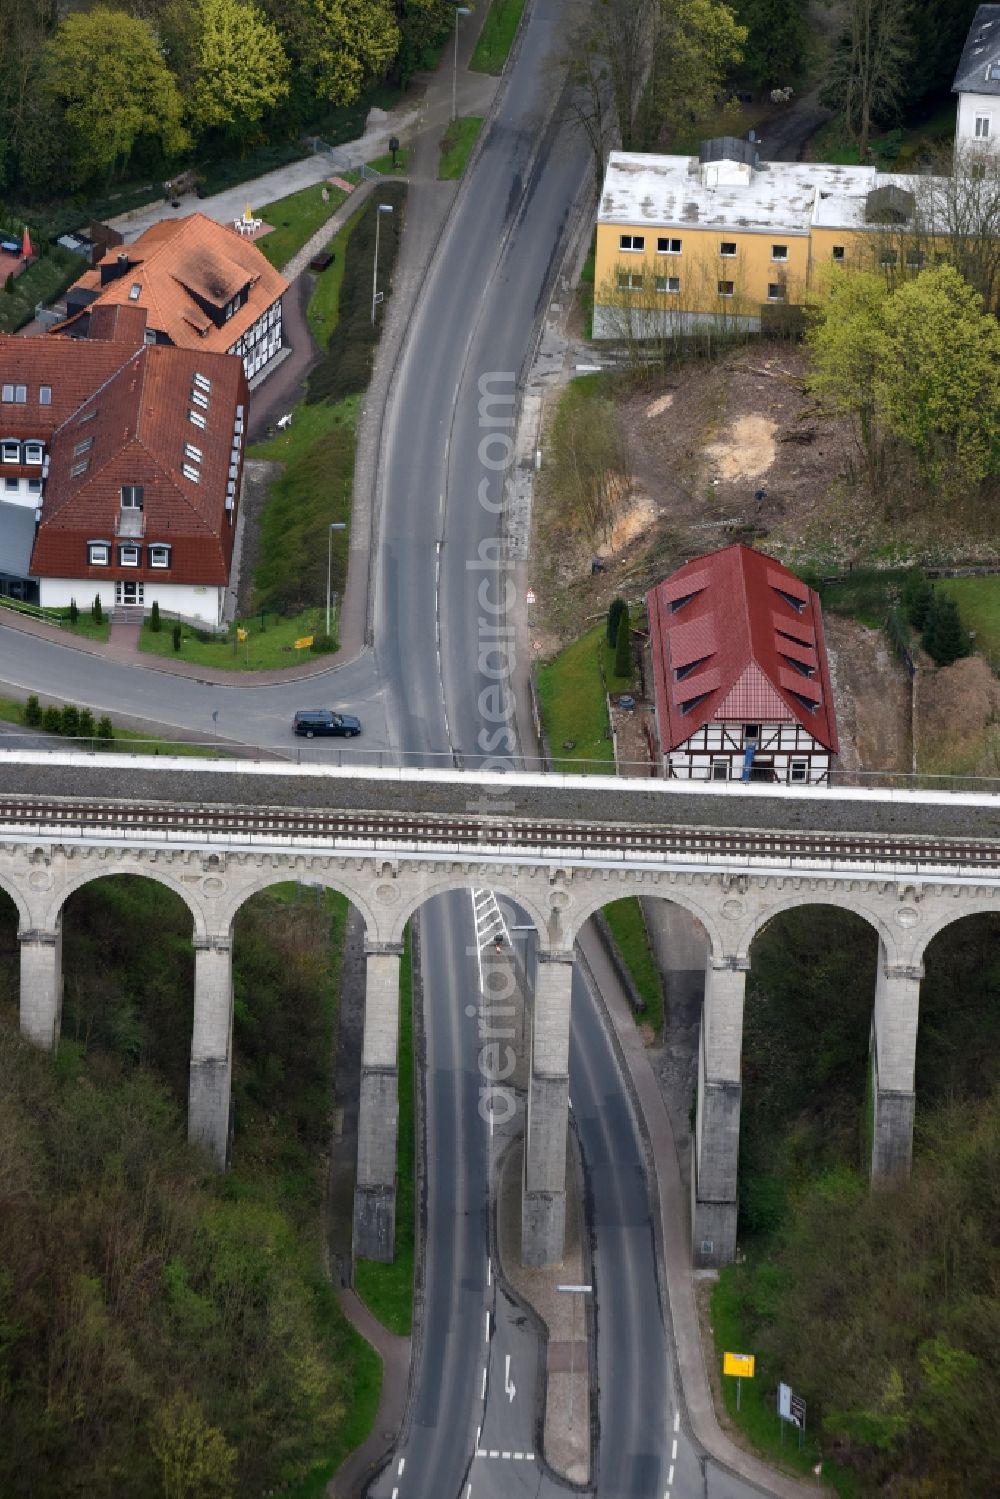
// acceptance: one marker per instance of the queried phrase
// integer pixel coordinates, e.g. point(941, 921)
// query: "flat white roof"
point(785, 196)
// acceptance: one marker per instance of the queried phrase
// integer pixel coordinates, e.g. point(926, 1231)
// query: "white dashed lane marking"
point(517, 1457)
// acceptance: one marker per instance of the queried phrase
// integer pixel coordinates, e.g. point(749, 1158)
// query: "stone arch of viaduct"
point(732, 910)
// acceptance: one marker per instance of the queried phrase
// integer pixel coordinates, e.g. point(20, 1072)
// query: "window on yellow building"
point(725, 288)
point(630, 281)
point(667, 246)
point(779, 252)
point(727, 249)
point(671, 285)
point(838, 252)
point(775, 291)
point(631, 242)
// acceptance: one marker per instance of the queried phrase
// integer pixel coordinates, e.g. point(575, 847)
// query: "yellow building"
point(724, 239)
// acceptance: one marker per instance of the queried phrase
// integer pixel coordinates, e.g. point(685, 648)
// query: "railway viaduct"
point(216, 832)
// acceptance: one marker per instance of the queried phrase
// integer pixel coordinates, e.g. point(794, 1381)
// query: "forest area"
point(164, 1329)
point(880, 1309)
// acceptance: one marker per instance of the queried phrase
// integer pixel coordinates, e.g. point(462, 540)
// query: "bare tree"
point(869, 68)
point(608, 60)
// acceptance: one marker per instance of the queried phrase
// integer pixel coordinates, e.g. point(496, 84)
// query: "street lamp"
point(335, 525)
point(573, 1291)
point(382, 208)
point(460, 10)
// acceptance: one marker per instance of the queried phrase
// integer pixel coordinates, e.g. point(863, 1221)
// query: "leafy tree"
point(195, 1459)
point(104, 74)
point(623, 646)
point(422, 24)
point(52, 720)
point(869, 70)
point(241, 70)
point(154, 618)
point(945, 637)
point(32, 712)
point(87, 725)
point(175, 635)
point(936, 384)
point(105, 729)
point(696, 43)
point(351, 43)
point(97, 610)
point(776, 39)
point(70, 721)
point(618, 608)
point(74, 611)
point(846, 344)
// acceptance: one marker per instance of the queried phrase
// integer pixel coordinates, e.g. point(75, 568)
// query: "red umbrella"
point(26, 250)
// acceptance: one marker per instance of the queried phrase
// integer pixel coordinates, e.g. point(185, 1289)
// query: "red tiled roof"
point(72, 369)
point(727, 649)
point(178, 260)
point(133, 430)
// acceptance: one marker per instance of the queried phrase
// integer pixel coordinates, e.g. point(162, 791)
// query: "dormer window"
point(190, 451)
point(134, 291)
point(34, 452)
point(45, 395)
point(203, 383)
point(12, 452)
point(197, 399)
point(132, 496)
point(159, 556)
point(98, 553)
point(128, 556)
point(198, 419)
point(190, 472)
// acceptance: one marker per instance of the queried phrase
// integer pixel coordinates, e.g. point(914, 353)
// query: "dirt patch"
point(958, 718)
point(660, 405)
point(747, 450)
point(635, 521)
point(871, 694)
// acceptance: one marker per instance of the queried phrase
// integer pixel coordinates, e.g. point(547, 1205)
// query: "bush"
point(154, 618)
point(74, 612)
point(105, 729)
point(623, 646)
point(70, 721)
point(916, 597)
point(945, 636)
point(87, 726)
point(8, 285)
point(96, 610)
point(33, 712)
point(175, 636)
point(323, 643)
point(618, 608)
point(52, 721)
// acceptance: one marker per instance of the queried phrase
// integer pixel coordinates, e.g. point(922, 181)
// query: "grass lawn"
point(295, 219)
point(497, 36)
point(384, 164)
point(456, 146)
point(315, 488)
point(628, 927)
point(866, 594)
point(269, 644)
point(323, 311)
point(757, 1416)
point(85, 625)
point(44, 281)
point(388, 1289)
point(979, 602)
point(572, 699)
point(586, 289)
point(125, 741)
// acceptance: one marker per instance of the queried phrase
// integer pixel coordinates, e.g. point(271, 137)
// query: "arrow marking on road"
point(508, 1383)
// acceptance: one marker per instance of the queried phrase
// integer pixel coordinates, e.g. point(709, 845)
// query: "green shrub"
point(618, 608)
point(175, 635)
point(74, 612)
point(105, 729)
point(52, 721)
point(154, 618)
point(917, 595)
point(623, 646)
point(323, 643)
point(97, 611)
point(33, 712)
point(945, 636)
point(87, 725)
point(70, 721)
point(8, 285)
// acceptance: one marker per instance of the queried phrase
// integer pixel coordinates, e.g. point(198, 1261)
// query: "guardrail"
point(32, 611)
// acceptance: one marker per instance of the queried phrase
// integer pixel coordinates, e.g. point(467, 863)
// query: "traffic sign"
point(739, 1364)
point(304, 643)
point(529, 597)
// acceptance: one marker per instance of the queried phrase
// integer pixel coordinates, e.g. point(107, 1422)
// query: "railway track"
point(338, 827)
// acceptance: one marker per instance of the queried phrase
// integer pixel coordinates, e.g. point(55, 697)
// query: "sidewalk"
point(356, 1471)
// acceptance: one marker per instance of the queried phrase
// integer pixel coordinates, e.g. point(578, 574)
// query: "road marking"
point(489, 1272)
point(468, 1490)
point(673, 1451)
point(484, 1382)
point(494, 1453)
point(402, 1465)
point(508, 1383)
point(487, 1327)
point(677, 1420)
point(518, 1456)
point(670, 1475)
point(395, 1494)
point(505, 1454)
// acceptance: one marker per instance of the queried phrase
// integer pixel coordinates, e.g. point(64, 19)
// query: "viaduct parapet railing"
point(559, 847)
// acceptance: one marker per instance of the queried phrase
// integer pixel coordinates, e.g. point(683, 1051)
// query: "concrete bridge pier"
point(893, 1054)
point(211, 1047)
point(41, 985)
point(716, 1144)
point(543, 1205)
point(378, 1113)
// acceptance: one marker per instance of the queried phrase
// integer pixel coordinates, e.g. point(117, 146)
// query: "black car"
point(313, 721)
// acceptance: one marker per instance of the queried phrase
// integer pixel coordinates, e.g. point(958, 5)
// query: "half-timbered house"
point(741, 680)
